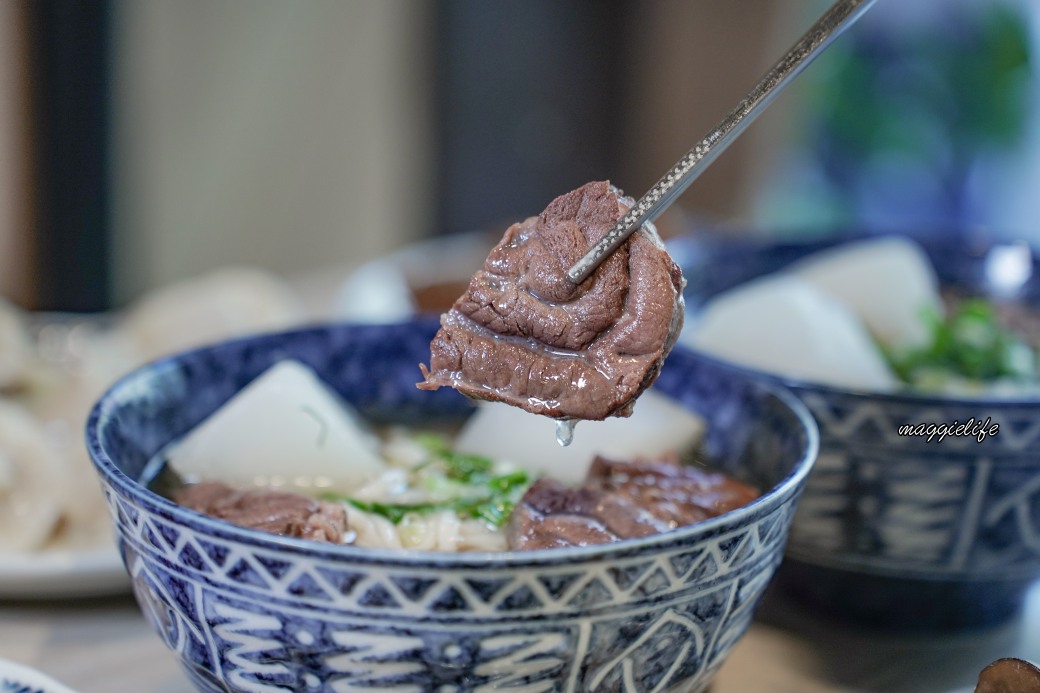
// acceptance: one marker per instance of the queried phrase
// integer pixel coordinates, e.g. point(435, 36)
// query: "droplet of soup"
point(565, 432)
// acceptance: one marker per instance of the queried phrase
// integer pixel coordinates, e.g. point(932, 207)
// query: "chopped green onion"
point(480, 495)
point(395, 512)
point(971, 343)
point(457, 466)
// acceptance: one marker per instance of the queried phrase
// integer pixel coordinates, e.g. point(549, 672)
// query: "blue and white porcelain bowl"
point(895, 531)
point(248, 611)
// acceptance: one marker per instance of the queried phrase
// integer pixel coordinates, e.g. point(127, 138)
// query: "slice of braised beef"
point(622, 500)
point(524, 334)
point(551, 514)
point(277, 512)
point(672, 492)
point(530, 529)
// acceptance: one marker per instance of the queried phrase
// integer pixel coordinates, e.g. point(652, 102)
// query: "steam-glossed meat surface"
point(524, 334)
point(622, 500)
point(674, 493)
point(551, 515)
point(277, 512)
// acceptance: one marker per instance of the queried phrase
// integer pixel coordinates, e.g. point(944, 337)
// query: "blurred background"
point(146, 141)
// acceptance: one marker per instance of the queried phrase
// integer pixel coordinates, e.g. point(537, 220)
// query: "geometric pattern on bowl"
point(657, 619)
point(887, 503)
point(247, 611)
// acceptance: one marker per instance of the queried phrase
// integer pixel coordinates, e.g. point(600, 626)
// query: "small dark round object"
point(1009, 675)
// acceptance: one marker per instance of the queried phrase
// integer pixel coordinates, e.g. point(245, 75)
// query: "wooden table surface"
point(104, 645)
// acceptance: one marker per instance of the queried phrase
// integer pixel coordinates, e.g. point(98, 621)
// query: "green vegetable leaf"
point(457, 466)
point(395, 512)
point(478, 493)
point(971, 343)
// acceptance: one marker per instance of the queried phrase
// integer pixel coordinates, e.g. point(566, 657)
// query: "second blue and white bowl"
point(894, 530)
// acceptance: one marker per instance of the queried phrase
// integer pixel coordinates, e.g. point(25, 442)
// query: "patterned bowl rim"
point(785, 490)
point(709, 243)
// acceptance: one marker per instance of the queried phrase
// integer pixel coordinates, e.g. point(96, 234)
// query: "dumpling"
point(33, 485)
point(229, 302)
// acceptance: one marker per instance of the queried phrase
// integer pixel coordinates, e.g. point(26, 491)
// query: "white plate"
point(63, 574)
point(18, 678)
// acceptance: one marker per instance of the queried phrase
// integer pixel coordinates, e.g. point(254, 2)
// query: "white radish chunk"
point(887, 281)
point(782, 325)
point(285, 429)
point(657, 425)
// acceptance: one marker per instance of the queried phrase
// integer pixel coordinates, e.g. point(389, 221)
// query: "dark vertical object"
point(529, 104)
point(69, 43)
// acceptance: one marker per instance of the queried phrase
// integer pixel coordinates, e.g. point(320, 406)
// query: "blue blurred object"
point(923, 117)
